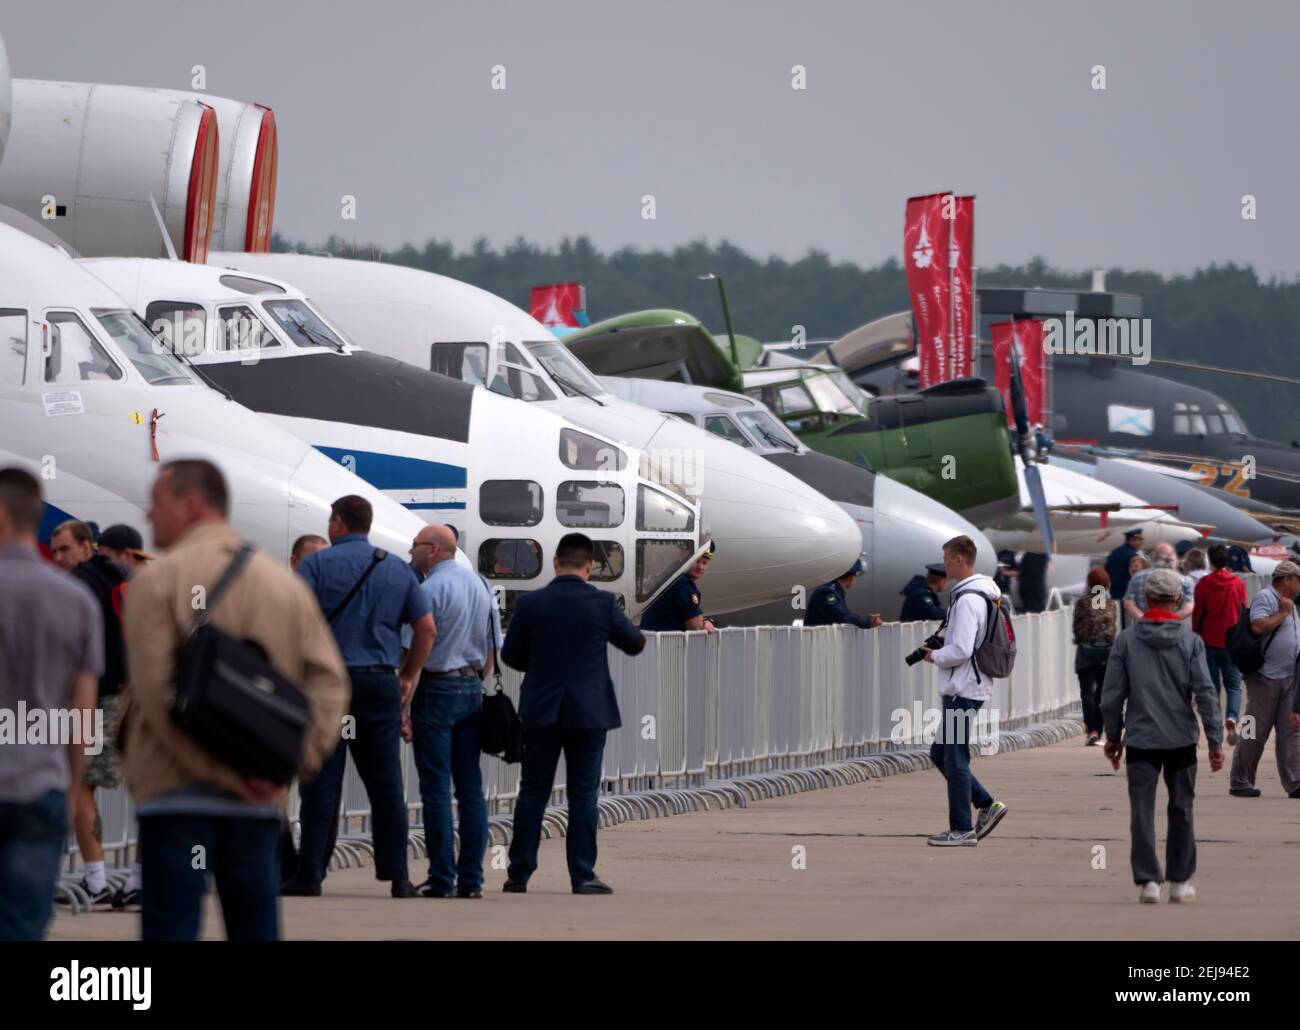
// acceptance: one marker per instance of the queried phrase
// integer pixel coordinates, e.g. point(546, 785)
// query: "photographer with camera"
point(963, 690)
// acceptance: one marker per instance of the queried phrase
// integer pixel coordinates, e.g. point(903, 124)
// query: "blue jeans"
point(950, 754)
point(1223, 673)
point(243, 856)
point(31, 847)
point(445, 717)
point(583, 750)
point(376, 749)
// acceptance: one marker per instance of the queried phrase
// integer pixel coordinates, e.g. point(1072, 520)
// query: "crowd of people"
point(380, 650)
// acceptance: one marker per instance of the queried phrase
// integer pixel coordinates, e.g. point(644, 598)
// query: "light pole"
point(726, 316)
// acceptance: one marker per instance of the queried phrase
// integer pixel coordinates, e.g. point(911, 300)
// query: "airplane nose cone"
point(773, 533)
point(909, 532)
point(318, 482)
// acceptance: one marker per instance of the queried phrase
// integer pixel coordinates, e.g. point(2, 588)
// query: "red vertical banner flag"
point(1027, 336)
point(925, 243)
point(557, 305)
point(961, 254)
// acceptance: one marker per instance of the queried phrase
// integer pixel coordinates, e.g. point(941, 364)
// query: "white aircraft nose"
point(318, 482)
point(773, 533)
point(910, 531)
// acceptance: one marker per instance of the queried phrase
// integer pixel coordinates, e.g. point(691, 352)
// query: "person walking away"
point(73, 548)
point(1268, 691)
point(921, 595)
point(445, 713)
point(51, 658)
point(1118, 563)
point(367, 595)
point(1155, 673)
point(829, 606)
point(963, 690)
point(1217, 603)
point(559, 639)
point(1094, 635)
point(190, 803)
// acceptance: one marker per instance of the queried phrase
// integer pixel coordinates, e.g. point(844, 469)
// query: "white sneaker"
point(1150, 893)
point(1181, 893)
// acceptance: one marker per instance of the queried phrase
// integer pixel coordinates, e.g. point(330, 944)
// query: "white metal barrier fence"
point(698, 708)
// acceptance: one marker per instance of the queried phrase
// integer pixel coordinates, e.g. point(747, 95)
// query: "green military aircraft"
point(950, 442)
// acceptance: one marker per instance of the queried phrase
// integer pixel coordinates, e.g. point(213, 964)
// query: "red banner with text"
point(961, 252)
point(926, 235)
point(1028, 337)
point(556, 304)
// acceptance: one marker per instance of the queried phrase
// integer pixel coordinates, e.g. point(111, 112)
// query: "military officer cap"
point(936, 568)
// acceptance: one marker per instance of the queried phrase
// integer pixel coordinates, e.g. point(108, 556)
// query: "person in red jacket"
point(1219, 599)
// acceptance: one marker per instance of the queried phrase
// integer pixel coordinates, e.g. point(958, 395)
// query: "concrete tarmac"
point(852, 862)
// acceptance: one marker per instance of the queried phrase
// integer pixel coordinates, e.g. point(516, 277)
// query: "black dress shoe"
point(593, 886)
point(1295, 793)
point(297, 889)
point(511, 887)
point(1244, 792)
point(468, 894)
point(428, 890)
point(404, 889)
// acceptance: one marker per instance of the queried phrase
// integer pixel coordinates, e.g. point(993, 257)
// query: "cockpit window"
point(1232, 421)
point(464, 361)
point(302, 325)
point(140, 347)
point(570, 373)
point(247, 284)
point(656, 562)
point(73, 355)
point(241, 330)
point(658, 512)
point(523, 386)
point(180, 326)
point(720, 425)
point(580, 451)
point(589, 504)
point(850, 390)
point(829, 397)
point(768, 430)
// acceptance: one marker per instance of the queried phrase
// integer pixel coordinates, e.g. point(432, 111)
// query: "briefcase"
point(233, 703)
point(499, 730)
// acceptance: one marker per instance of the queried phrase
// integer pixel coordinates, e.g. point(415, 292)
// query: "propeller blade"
point(1034, 483)
point(1018, 408)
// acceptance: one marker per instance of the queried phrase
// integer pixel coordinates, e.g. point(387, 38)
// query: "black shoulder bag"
point(232, 702)
point(499, 729)
point(379, 555)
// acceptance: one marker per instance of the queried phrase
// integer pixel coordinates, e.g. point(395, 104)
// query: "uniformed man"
point(921, 596)
point(829, 607)
point(559, 639)
point(678, 607)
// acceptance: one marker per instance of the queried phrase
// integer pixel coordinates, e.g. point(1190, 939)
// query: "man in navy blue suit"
point(559, 639)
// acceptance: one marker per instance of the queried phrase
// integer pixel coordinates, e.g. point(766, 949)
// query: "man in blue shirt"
point(1117, 563)
point(445, 713)
point(678, 608)
point(828, 605)
point(367, 596)
point(559, 638)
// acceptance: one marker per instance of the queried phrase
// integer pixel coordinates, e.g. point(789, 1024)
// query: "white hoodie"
point(967, 621)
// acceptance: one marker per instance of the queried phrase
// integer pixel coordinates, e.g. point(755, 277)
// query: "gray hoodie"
point(1155, 672)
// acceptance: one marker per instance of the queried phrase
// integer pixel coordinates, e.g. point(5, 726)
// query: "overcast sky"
point(392, 101)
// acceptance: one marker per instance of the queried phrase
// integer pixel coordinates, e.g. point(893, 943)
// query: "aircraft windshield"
point(140, 347)
point(568, 371)
point(768, 430)
point(829, 397)
point(851, 391)
point(303, 326)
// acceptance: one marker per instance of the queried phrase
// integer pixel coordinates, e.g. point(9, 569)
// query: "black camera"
point(933, 642)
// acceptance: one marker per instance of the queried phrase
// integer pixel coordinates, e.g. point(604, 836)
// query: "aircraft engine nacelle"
point(85, 159)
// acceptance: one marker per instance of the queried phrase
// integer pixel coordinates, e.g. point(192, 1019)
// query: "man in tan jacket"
point(198, 816)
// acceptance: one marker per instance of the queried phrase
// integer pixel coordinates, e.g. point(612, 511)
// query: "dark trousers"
point(376, 749)
point(1224, 673)
point(241, 854)
point(950, 754)
point(1143, 768)
point(1090, 682)
point(583, 751)
point(31, 847)
point(444, 718)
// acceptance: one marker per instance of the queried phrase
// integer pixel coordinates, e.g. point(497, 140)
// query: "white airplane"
point(511, 478)
point(902, 530)
point(6, 99)
point(90, 403)
point(773, 531)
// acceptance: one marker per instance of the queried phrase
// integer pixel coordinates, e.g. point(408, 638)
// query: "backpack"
point(1244, 647)
point(995, 653)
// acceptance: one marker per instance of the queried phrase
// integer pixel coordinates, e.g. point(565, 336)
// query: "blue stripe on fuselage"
point(398, 472)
